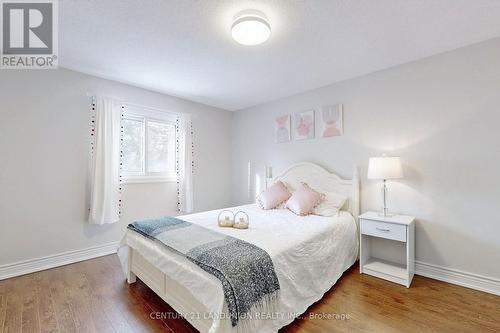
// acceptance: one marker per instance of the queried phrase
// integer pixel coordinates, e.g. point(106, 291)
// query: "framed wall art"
point(304, 125)
point(331, 121)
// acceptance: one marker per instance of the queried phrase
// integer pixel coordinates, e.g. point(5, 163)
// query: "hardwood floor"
point(93, 296)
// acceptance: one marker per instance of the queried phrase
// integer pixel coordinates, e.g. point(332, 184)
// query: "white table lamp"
point(385, 167)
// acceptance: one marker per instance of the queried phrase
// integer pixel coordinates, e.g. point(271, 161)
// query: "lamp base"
point(386, 214)
point(385, 211)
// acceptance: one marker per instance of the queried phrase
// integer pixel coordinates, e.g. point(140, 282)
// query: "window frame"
point(146, 115)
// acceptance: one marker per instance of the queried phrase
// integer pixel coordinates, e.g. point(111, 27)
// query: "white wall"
point(44, 141)
point(441, 115)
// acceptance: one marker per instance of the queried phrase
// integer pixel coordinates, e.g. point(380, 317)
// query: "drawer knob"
point(382, 229)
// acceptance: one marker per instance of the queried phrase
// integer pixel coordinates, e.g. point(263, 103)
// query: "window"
point(133, 145)
point(148, 146)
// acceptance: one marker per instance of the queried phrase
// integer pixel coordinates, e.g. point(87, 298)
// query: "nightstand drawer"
point(384, 230)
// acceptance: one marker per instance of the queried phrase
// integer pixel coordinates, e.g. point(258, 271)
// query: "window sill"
point(146, 180)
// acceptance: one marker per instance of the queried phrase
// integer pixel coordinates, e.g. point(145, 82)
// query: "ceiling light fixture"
point(250, 27)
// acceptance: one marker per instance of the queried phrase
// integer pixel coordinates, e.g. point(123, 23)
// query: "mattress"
point(309, 254)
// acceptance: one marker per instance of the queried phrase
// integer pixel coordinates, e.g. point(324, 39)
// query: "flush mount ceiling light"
point(250, 28)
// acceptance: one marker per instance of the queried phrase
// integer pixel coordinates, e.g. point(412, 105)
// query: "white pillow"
point(332, 203)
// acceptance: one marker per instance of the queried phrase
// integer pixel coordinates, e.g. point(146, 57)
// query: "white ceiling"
point(184, 47)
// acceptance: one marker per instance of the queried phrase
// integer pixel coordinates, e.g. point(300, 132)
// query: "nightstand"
point(387, 247)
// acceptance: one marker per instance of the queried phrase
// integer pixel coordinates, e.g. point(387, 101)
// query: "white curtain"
point(105, 162)
point(185, 164)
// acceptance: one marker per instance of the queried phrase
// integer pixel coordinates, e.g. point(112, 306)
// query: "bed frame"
point(322, 181)
point(181, 299)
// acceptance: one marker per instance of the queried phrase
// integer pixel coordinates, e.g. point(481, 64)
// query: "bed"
point(310, 253)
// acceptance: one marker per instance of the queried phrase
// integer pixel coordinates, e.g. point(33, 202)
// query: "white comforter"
point(309, 253)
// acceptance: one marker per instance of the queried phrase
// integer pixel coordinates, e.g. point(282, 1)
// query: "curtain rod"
point(88, 94)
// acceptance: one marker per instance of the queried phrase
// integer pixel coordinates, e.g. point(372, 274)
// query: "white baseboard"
point(461, 278)
point(454, 276)
point(56, 260)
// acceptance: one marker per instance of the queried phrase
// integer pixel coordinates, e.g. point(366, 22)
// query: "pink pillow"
point(304, 200)
point(275, 195)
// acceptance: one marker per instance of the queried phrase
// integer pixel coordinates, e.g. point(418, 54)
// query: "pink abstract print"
point(331, 120)
point(304, 125)
point(282, 128)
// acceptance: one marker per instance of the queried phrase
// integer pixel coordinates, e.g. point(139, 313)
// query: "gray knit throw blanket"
point(246, 271)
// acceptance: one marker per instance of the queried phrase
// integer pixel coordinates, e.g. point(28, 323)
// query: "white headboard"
point(323, 181)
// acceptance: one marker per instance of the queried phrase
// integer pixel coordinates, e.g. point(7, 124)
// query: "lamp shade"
point(385, 167)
